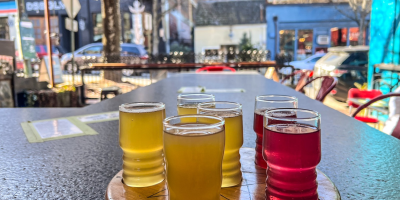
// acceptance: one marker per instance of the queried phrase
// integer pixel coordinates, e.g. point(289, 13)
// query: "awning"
point(8, 7)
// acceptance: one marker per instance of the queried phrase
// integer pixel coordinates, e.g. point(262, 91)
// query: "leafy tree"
point(245, 43)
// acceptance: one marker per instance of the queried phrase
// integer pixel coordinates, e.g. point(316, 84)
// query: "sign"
point(323, 39)
point(44, 71)
point(27, 39)
point(75, 9)
point(68, 24)
point(38, 6)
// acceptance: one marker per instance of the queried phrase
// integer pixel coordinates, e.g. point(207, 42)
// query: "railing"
point(128, 72)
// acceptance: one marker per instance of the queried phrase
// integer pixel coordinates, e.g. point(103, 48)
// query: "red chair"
point(327, 85)
point(215, 69)
point(357, 93)
point(365, 94)
point(396, 131)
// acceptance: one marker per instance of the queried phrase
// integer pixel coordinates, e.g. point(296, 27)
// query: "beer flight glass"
point(187, 104)
point(141, 140)
point(263, 103)
point(193, 153)
point(292, 149)
point(232, 113)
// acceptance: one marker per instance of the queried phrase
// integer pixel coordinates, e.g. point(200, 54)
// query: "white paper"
point(99, 117)
point(56, 128)
point(191, 90)
point(207, 90)
point(233, 90)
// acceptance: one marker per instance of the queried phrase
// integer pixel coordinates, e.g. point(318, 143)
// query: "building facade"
point(136, 22)
point(221, 25)
point(301, 30)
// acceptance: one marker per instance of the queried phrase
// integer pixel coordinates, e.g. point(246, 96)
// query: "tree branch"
point(355, 18)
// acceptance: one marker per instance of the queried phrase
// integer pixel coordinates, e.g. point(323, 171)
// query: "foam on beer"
point(141, 108)
point(223, 114)
point(196, 132)
point(291, 128)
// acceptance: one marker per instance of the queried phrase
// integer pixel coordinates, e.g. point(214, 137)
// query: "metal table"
point(363, 162)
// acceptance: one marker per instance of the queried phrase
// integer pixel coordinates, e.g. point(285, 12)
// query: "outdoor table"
point(380, 106)
point(361, 161)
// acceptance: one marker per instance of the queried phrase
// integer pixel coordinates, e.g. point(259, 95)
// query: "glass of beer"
point(141, 140)
point(232, 113)
point(193, 153)
point(292, 147)
point(263, 103)
point(187, 104)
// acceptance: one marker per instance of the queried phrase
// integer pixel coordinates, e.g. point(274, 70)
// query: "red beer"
point(263, 103)
point(293, 149)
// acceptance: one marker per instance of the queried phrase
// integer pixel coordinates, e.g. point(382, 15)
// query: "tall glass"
point(187, 104)
point(232, 113)
point(292, 148)
point(141, 140)
point(193, 152)
point(263, 103)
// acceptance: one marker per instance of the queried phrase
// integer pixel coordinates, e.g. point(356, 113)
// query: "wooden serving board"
point(252, 187)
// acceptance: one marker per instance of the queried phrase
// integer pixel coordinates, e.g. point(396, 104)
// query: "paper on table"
point(55, 128)
point(191, 89)
point(51, 129)
point(205, 90)
point(99, 117)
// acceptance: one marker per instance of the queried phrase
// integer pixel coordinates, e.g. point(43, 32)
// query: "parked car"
point(41, 50)
point(93, 53)
point(348, 64)
point(308, 63)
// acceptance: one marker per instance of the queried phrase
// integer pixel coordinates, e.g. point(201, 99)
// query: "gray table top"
point(363, 162)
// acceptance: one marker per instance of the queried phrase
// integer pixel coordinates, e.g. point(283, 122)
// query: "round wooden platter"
point(252, 187)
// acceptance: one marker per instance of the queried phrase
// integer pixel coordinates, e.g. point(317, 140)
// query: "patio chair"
point(396, 131)
point(357, 93)
point(215, 69)
point(327, 85)
point(304, 76)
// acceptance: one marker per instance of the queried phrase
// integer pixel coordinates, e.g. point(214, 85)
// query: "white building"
point(220, 25)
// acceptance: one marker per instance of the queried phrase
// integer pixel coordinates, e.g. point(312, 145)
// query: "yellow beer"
point(231, 167)
point(194, 162)
point(141, 140)
point(187, 104)
point(188, 109)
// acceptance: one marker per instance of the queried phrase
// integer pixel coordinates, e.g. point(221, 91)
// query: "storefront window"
point(97, 27)
point(338, 37)
point(127, 27)
point(286, 42)
point(354, 33)
point(4, 28)
point(304, 44)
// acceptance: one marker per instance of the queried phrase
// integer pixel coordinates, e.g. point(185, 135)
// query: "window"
point(338, 37)
point(304, 44)
point(315, 59)
point(97, 27)
point(127, 27)
point(93, 50)
point(286, 42)
point(357, 59)
point(130, 50)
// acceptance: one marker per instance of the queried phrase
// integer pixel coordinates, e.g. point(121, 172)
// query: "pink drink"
point(259, 128)
point(293, 152)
